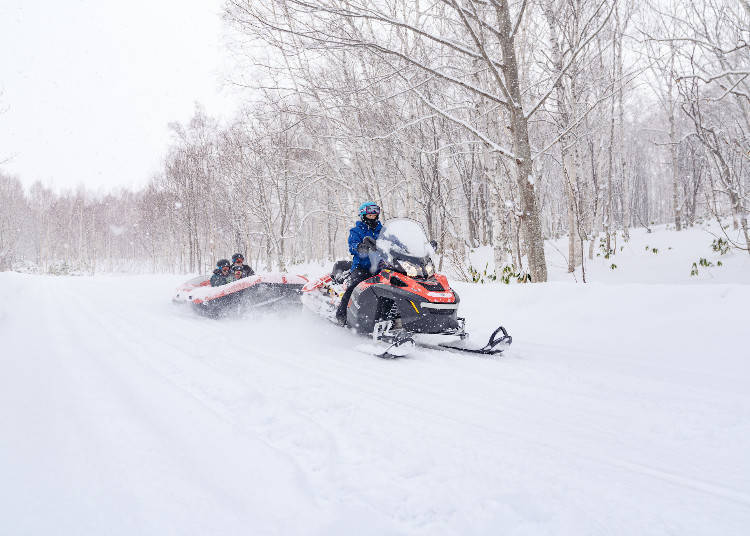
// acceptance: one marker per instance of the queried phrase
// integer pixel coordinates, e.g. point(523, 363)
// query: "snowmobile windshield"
point(403, 245)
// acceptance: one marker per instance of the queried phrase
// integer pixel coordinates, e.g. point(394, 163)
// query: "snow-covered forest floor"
point(623, 407)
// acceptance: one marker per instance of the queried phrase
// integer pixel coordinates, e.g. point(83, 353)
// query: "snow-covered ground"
point(661, 256)
point(623, 408)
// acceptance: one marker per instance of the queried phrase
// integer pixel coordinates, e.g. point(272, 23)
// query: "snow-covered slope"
point(661, 256)
point(623, 408)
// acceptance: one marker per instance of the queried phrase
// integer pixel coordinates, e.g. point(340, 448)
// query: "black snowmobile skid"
point(495, 345)
point(399, 342)
point(400, 346)
point(402, 342)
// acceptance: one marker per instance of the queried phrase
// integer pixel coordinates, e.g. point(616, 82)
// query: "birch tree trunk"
point(531, 223)
point(673, 142)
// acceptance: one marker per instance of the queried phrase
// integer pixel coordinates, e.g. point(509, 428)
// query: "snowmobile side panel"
point(361, 314)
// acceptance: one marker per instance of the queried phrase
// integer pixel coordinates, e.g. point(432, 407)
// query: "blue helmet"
point(368, 207)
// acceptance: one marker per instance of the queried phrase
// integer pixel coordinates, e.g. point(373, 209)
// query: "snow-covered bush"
point(26, 267)
point(64, 268)
point(721, 246)
point(485, 276)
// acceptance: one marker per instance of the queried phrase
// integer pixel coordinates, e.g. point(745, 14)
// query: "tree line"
point(492, 122)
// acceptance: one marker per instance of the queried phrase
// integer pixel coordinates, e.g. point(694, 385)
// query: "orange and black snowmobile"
point(405, 303)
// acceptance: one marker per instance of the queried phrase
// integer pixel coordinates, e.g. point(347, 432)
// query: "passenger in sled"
point(222, 274)
point(227, 272)
point(238, 265)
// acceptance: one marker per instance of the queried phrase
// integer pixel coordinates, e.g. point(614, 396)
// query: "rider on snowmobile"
point(361, 241)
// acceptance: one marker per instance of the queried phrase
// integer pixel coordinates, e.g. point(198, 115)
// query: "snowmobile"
point(405, 303)
point(271, 289)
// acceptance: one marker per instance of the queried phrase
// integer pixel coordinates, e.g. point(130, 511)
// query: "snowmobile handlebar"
point(367, 245)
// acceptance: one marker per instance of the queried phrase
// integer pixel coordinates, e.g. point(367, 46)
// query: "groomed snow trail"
point(622, 409)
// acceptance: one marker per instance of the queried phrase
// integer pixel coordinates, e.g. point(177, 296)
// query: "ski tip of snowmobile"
point(499, 341)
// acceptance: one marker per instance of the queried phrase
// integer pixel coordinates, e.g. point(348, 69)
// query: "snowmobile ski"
point(494, 346)
point(400, 343)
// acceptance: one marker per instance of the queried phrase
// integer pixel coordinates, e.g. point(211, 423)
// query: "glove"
point(364, 247)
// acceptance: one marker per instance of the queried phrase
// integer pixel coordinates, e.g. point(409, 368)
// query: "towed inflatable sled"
point(406, 303)
point(261, 290)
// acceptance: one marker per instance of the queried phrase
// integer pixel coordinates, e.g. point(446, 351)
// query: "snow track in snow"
point(122, 414)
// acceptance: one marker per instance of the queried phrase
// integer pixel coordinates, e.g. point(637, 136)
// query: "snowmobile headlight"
point(429, 269)
point(411, 269)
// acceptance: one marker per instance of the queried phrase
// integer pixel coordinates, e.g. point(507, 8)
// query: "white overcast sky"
point(88, 87)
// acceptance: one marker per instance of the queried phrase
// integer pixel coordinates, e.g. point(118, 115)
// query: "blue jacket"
point(356, 235)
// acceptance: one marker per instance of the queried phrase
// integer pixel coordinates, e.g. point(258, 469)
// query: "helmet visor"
point(372, 209)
